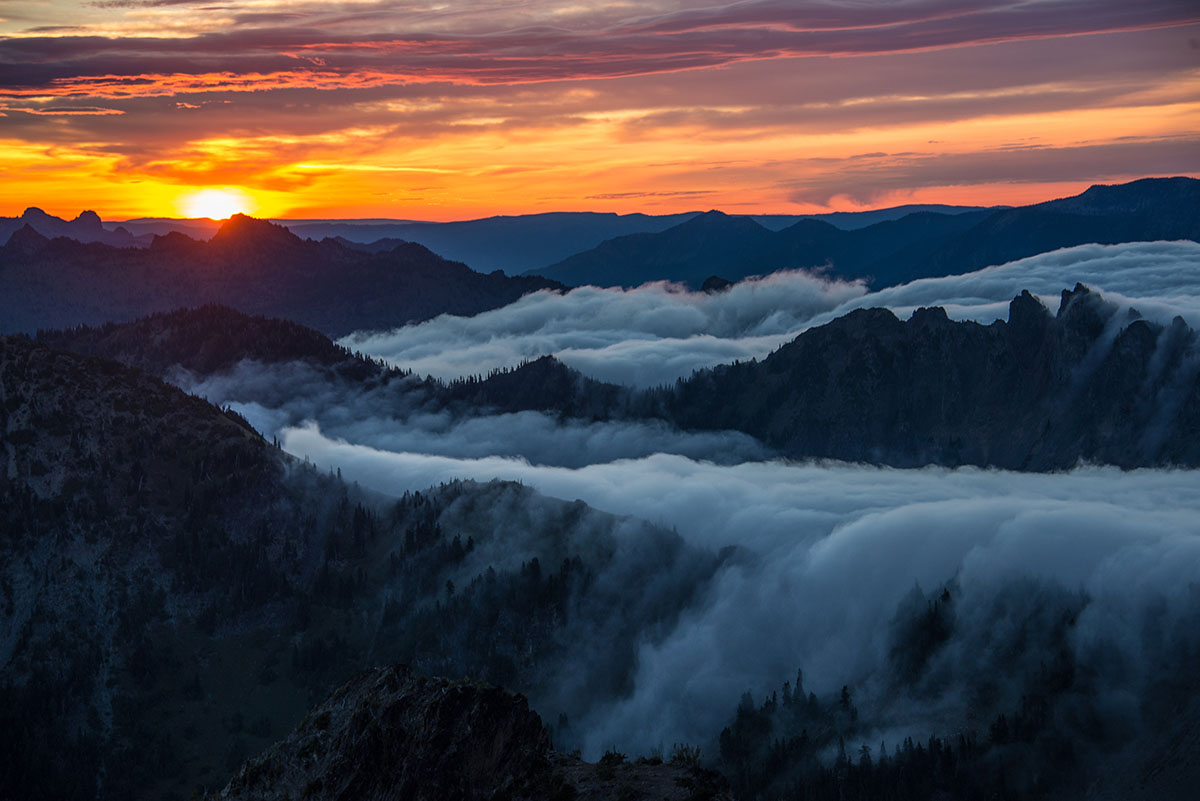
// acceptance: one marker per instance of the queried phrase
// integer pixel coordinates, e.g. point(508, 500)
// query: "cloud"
point(402, 416)
point(658, 333)
point(542, 108)
point(825, 556)
point(485, 48)
point(1159, 279)
point(867, 179)
point(833, 551)
point(645, 336)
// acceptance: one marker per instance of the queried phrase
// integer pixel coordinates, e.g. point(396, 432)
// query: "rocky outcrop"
point(1039, 392)
point(391, 734)
point(87, 227)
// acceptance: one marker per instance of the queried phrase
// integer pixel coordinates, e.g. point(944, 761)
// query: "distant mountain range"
point(526, 243)
point(918, 245)
point(1039, 392)
point(87, 227)
point(515, 244)
point(250, 264)
point(883, 247)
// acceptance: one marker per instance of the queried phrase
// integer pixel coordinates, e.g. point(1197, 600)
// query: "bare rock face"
point(392, 735)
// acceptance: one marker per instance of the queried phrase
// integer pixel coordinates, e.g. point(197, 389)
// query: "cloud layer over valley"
point(657, 333)
point(832, 550)
point(1089, 573)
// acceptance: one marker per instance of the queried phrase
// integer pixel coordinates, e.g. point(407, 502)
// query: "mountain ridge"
point(890, 252)
point(1039, 391)
point(250, 264)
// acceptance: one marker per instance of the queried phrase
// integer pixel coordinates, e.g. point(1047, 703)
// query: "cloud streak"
point(644, 336)
point(338, 52)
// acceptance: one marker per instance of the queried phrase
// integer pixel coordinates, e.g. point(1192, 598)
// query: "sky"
point(455, 110)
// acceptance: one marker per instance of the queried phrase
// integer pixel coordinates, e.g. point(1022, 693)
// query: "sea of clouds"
point(659, 332)
point(829, 550)
point(834, 548)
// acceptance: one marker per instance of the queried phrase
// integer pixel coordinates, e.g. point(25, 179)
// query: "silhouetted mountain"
point(527, 243)
point(87, 227)
point(918, 245)
point(1039, 392)
point(738, 247)
point(515, 244)
point(1144, 210)
point(853, 220)
point(209, 340)
point(176, 591)
point(249, 264)
point(391, 734)
point(522, 243)
point(195, 227)
point(378, 246)
point(709, 243)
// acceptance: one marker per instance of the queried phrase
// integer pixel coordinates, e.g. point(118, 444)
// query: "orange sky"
point(459, 110)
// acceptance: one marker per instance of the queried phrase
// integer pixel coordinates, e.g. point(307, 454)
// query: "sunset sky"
point(453, 110)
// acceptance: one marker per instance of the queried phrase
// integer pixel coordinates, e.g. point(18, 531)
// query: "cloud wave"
point(657, 333)
point(832, 549)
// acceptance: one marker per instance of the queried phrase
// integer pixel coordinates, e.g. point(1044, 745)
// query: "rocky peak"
point(241, 229)
point(35, 214)
point(1083, 311)
point(714, 284)
point(1027, 316)
point(390, 733)
point(26, 240)
point(89, 220)
point(929, 317)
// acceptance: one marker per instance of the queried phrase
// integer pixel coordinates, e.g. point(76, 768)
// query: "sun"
point(217, 204)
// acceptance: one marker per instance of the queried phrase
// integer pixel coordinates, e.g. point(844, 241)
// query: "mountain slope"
point(212, 340)
point(891, 252)
point(207, 340)
point(1144, 210)
point(252, 265)
point(1039, 392)
point(175, 591)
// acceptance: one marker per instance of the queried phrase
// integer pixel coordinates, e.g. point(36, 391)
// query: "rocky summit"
point(392, 735)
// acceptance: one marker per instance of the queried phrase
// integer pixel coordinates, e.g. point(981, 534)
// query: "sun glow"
point(217, 204)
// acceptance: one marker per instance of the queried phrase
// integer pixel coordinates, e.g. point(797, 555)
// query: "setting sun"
point(217, 204)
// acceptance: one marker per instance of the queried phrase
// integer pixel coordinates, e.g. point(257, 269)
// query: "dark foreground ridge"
point(389, 733)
